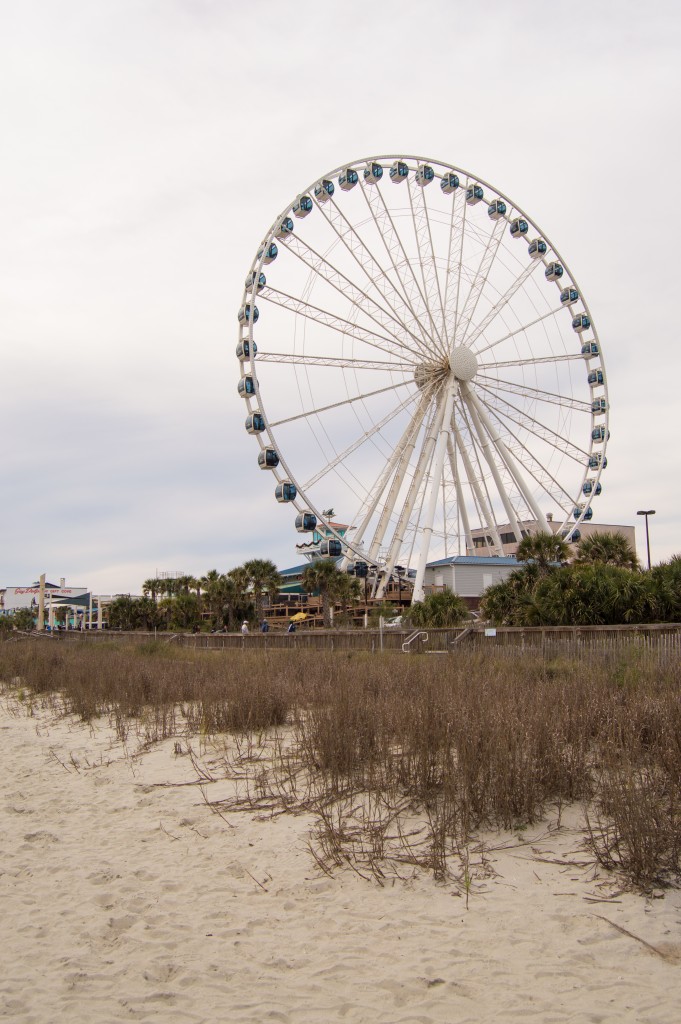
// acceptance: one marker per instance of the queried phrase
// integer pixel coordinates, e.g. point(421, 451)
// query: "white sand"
point(123, 900)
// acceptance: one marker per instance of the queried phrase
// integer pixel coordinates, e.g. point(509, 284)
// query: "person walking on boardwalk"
point(244, 627)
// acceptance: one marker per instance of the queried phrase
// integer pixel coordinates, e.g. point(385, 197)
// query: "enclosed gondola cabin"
point(255, 424)
point(599, 405)
point(588, 487)
point(580, 323)
point(578, 509)
point(251, 280)
point(302, 206)
point(449, 183)
point(474, 194)
point(348, 178)
point(519, 228)
point(361, 570)
point(571, 536)
point(331, 548)
point(323, 190)
point(537, 248)
point(373, 173)
point(269, 254)
point(246, 387)
point(246, 314)
point(597, 459)
point(285, 491)
point(306, 522)
point(243, 350)
point(497, 209)
point(569, 296)
point(268, 459)
point(598, 434)
point(424, 175)
point(553, 271)
point(595, 377)
point(399, 172)
point(284, 228)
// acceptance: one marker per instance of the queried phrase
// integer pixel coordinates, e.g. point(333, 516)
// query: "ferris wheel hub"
point(463, 363)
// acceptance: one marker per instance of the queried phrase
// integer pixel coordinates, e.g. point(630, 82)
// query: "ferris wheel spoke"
point(349, 290)
point(494, 312)
point(519, 330)
point(358, 442)
point(525, 391)
point(540, 430)
point(333, 362)
point(507, 458)
point(401, 264)
point(531, 463)
point(487, 259)
point(561, 357)
point(376, 275)
point(457, 231)
point(426, 250)
point(490, 448)
point(393, 474)
point(484, 505)
point(460, 503)
point(320, 316)
point(339, 405)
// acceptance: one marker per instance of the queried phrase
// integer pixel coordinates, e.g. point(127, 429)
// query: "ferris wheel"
point(415, 352)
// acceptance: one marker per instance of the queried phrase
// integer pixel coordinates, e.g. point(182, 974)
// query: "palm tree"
point(666, 586)
point(263, 578)
point(153, 587)
point(438, 610)
point(595, 595)
point(324, 577)
point(544, 549)
point(609, 548)
point(183, 584)
point(506, 603)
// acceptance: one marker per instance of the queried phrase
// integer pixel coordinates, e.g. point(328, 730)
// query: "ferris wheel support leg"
point(397, 465)
point(486, 445)
point(435, 478)
point(508, 461)
point(404, 451)
point(422, 465)
point(463, 512)
point(482, 502)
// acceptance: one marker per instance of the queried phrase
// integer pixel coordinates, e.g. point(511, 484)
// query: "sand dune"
point(125, 899)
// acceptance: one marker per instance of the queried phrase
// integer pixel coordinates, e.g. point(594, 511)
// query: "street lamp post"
point(646, 513)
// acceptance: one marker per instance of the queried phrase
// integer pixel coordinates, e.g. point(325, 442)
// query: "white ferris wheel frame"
point(413, 288)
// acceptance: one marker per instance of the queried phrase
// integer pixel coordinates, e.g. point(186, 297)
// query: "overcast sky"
point(145, 148)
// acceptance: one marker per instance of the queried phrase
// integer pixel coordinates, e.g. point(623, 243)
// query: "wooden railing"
point(655, 641)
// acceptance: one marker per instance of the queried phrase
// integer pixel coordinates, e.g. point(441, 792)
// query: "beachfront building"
point(67, 607)
point(469, 576)
point(483, 545)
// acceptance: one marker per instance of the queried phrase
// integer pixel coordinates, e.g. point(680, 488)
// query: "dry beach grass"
point(192, 837)
point(402, 760)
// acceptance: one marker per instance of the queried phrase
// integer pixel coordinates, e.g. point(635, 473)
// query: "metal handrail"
point(414, 636)
point(462, 634)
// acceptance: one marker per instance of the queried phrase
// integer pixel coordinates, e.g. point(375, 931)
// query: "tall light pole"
point(646, 513)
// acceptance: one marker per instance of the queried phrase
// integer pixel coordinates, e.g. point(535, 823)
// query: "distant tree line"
point(603, 585)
